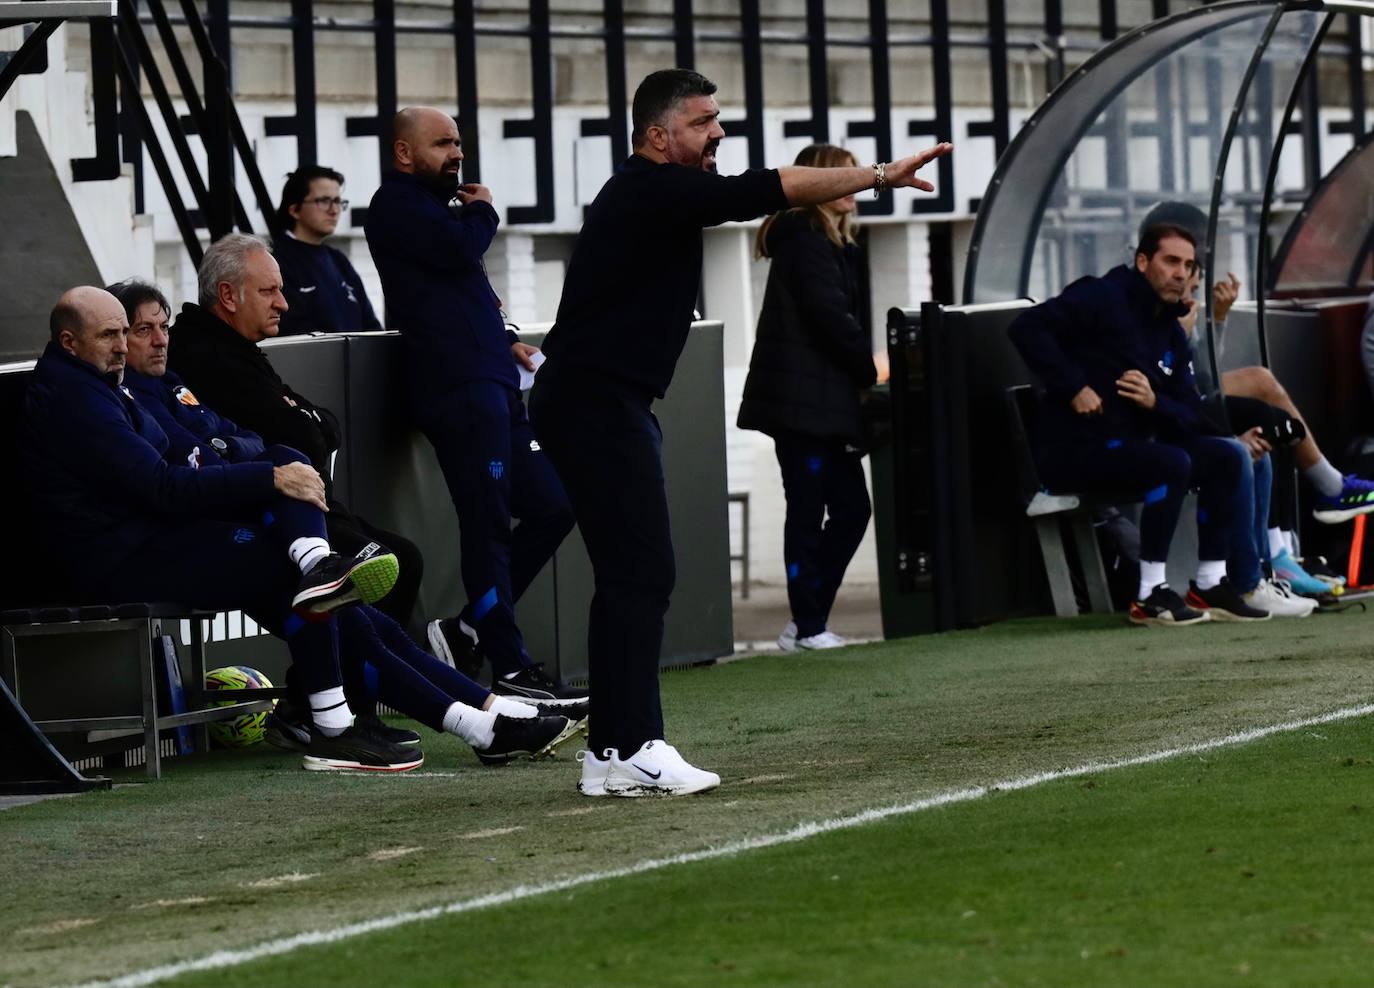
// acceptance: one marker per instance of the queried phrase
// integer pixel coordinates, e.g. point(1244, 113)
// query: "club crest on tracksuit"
point(1167, 364)
point(497, 469)
point(183, 394)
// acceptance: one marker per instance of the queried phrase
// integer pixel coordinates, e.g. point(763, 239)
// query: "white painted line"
point(274, 948)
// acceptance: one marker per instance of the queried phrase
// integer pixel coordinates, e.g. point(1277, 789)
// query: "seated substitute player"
point(324, 292)
point(217, 354)
point(1339, 497)
point(1123, 413)
point(379, 661)
point(1249, 557)
point(121, 523)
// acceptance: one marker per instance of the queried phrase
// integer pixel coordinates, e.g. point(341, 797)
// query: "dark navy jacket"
point(1090, 335)
point(189, 425)
point(635, 272)
point(323, 291)
point(437, 293)
point(97, 473)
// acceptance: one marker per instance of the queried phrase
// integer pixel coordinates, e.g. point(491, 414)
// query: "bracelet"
point(879, 178)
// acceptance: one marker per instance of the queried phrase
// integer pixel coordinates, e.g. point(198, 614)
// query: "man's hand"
point(901, 174)
point(1086, 402)
point(1254, 441)
point(1135, 386)
point(300, 481)
point(1224, 295)
point(1189, 322)
point(471, 192)
point(522, 353)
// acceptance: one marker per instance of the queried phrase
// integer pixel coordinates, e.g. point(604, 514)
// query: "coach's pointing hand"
point(901, 174)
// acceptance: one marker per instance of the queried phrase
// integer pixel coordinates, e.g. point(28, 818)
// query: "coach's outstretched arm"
point(812, 186)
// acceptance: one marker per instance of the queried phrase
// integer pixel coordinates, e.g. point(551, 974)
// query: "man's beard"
point(441, 183)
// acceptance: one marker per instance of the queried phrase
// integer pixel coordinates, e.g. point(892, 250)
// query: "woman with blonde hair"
point(812, 360)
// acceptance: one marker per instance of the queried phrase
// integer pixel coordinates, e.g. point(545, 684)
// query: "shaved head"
point(90, 324)
point(425, 143)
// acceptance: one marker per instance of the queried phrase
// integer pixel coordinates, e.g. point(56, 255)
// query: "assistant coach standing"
point(463, 388)
point(622, 323)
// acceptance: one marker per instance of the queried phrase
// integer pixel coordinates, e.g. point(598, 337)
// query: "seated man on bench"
point(1123, 414)
point(379, 659)
point(1246, 391)
point(120, 523)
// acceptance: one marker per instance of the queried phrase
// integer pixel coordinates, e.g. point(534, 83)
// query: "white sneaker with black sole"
point(656, 769)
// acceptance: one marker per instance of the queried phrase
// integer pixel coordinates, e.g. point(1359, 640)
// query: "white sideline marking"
point(272, 948)
point(280, 880)
point(392, 853)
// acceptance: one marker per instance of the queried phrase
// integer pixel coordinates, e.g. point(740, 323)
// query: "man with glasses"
point(324, 292)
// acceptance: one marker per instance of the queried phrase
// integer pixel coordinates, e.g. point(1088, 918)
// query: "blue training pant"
point(391, 668)
point(827, 514)
point(496, 470)
point(1160, 474)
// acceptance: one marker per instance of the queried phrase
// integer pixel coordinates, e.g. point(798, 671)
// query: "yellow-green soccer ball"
point(244, 730)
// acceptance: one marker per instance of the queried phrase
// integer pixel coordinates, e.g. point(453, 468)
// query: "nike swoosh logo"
point(652, 775)
point(307, 291)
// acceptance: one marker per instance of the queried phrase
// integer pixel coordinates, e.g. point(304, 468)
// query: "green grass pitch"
point(1244, 865)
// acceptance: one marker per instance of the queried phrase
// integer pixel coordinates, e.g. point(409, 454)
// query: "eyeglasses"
point(324, 202)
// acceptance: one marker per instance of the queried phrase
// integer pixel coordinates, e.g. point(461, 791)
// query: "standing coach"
point(622, 322)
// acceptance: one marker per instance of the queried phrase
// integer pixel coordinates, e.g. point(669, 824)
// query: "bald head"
point(90, 324)
point(425, 144)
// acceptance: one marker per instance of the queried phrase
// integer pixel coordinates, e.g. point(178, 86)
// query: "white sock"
point(1277, 542)
point(511, 708)
point(1290, 542)
point(330, 711)
point(476, 727)
point(1210, 572)
point(1324, 477)
point(1151, 576)
point(308, 550)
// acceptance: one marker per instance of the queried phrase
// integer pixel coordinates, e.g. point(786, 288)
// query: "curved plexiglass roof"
point(1147, 119)
point(1329, 244)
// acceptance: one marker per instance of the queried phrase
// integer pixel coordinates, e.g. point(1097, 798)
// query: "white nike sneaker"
point(826, 639)
point(593, 781)
point(1275, 597)
point(787, 641)
point(656, 769)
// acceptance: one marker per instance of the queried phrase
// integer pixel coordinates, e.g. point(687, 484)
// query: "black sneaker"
point(357, 750)
point(524, 737)
point(454, 646)
point(335, 581)
point(533, 683)
point(379, 728)
point(1165, 608)
point(286, 728)
point(1223, 603)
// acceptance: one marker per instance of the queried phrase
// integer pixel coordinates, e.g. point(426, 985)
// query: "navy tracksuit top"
point(1090, 335)
point(98, 474)
point(190, 426)
point(324, 293)
point(429, 257)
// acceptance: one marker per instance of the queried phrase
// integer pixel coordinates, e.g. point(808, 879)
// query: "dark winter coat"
point(234, 377)
point(812, 359)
